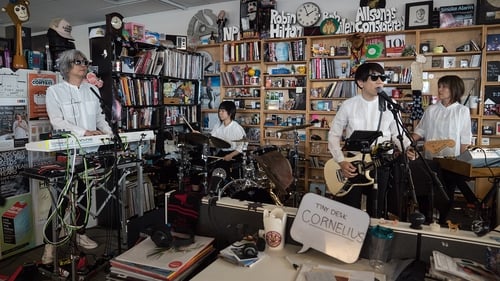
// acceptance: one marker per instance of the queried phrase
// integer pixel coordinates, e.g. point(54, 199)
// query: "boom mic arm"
point(390, 102)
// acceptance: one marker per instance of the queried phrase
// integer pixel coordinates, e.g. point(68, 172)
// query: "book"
point(163, 263)
point(493, 42)
point(462, 268)
point(394, 45)
point(234, 254)
point(493, 71)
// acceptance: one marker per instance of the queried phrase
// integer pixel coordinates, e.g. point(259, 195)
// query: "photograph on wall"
point(210, 92)
point(37, 87)
point(418, 15)
point(488, 12)
point(458, 15)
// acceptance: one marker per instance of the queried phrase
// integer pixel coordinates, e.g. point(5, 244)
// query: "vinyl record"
point(373, 51)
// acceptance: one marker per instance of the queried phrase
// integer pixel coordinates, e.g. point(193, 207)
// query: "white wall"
point(176, 22)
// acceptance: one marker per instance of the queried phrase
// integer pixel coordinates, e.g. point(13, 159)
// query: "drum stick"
point(182, 116)
point(216, 157)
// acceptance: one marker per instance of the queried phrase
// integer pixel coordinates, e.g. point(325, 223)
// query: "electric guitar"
point(339, 185)
point(435, 146)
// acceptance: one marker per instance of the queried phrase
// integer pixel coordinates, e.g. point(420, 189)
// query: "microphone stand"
point(395, 109)
point(113, 123)
point(118, 146)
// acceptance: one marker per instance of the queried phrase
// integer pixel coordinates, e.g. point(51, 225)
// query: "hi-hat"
point(291, 128)
point(214, 142)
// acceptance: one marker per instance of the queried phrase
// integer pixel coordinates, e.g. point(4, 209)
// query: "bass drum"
point(275, 166)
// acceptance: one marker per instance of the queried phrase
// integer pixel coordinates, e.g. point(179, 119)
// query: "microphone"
point(389, 101)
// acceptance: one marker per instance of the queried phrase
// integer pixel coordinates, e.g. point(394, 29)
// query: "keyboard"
point(71, 142)
point(481, 157)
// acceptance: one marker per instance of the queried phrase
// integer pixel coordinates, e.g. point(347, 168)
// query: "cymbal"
point(198, 138)
point(291, 128)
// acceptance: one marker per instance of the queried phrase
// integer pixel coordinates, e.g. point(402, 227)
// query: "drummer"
point(229, 130)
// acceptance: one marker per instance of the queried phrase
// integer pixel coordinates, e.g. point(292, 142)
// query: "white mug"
point(274, 228)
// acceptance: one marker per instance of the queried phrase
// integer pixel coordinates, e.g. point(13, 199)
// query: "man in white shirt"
point(364, 112)
point(73, 106)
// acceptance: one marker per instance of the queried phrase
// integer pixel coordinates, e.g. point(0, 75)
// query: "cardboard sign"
point(331, 227)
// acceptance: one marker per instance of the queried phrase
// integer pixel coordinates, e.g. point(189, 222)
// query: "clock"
point(308, 14)
point(114, 24)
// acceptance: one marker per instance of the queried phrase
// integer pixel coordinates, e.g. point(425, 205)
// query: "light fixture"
point(175, 4)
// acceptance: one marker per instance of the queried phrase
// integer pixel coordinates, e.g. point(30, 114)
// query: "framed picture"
point(488, 12)
point(418, 15)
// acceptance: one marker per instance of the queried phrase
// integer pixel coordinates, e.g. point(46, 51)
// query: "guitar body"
point(339, 185)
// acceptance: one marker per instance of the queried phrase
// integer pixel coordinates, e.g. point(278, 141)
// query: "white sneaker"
point(48, 254)
point(85, 242)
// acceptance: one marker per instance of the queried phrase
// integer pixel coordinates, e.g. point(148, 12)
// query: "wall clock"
point(114, 24)
point(308, 14)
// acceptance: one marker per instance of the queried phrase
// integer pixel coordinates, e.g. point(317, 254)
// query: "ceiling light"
point(175, 4)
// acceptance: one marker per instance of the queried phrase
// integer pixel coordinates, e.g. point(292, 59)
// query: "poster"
point(14, 129)
point(37, 87)
point(16, 232)
point(16, 225)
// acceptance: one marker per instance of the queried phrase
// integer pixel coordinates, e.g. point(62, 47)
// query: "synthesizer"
point(72, 142)
point(481, 157)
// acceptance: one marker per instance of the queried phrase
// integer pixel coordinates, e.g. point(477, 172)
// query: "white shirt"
point(230, 133)
point(440, 123)
point(76, 109)
point(356, 113)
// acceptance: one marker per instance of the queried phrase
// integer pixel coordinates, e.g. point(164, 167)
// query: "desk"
point(466, 169)
point(275, 266)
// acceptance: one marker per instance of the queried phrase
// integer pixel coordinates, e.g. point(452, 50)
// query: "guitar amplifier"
point(481, 157)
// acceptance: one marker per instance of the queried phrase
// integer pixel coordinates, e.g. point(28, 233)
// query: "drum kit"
point(264, 170)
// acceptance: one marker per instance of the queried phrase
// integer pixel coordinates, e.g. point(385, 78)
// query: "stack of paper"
point(146, 261)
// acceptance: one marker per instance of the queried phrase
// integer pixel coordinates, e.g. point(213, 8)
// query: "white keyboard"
point(86, 142)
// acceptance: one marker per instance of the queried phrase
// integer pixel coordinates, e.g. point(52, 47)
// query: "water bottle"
point(48, 58)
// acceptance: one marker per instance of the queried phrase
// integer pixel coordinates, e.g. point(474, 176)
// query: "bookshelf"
point(326, 62)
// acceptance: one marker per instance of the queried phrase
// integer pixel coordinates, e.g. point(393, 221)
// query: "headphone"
point(162, 237)
point(251, 249)
point(248, 250)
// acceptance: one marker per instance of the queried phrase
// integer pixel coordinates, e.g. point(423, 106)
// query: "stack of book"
point(234, 253)
point(146, 261)
point(444, 267)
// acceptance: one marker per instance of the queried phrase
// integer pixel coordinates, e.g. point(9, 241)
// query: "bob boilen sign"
point(284, 24)
point(331, 227)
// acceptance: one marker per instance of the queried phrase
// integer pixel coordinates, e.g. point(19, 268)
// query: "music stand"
point(361, 140)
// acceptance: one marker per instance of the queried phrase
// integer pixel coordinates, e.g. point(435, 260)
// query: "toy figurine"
point(452, 226)
point(221, 23)
point(19, 13)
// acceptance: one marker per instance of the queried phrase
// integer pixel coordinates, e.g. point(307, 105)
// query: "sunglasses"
point(375, 77)
point(81, 62)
